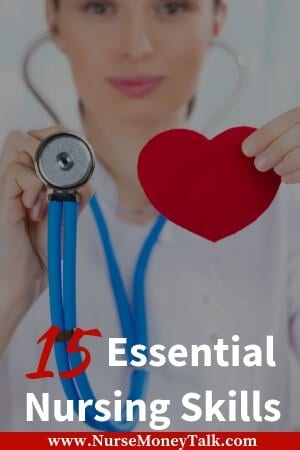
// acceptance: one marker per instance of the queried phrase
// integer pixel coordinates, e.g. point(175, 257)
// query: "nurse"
point(136, 66)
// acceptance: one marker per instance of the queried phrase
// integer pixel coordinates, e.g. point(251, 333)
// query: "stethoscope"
point(65, 161)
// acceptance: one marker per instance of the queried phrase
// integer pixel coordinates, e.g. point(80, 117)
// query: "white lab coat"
point(197, 291)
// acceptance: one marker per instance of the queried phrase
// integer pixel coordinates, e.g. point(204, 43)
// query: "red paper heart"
point(205, 186)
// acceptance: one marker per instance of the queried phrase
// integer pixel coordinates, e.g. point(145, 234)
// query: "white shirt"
point(196, 291)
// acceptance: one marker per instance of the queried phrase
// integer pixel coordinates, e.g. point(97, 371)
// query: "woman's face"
point(134, 60)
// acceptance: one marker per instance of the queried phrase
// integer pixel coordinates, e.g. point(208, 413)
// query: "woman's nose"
point(137, 43)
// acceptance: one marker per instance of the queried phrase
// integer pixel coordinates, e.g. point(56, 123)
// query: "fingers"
point(29, 196)
point(20, 183)
point(17, 142)
point(292, 178)
point(278, 149)
point(289, 167)
point(277, 146)
point(261, 139)
point(44, 133)
point(37, 213)
point(20, 178)
point(288, 164)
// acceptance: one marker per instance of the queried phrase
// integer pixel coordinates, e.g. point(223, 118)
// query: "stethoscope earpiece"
point(64, 161)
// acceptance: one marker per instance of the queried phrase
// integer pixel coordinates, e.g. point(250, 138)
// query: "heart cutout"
point(208, 187)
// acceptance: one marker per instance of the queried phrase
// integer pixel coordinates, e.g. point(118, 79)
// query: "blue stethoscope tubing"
point(62, 293)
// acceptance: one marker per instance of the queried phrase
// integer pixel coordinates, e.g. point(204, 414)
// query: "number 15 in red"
point(50, 338)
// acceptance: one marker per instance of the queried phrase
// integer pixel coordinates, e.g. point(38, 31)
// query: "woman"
point(136, 66)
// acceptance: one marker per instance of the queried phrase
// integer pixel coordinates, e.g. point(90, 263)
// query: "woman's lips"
point(136, 86)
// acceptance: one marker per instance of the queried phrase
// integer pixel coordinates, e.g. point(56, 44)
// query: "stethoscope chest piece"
point(64, 161)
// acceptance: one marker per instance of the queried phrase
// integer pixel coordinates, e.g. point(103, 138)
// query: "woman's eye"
point(99, 8)
point(172, 7)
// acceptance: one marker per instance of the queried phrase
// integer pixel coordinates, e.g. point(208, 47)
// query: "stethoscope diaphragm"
point(64, 161)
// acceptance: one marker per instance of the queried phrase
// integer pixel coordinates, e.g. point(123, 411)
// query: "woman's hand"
point(23, 224)
point(277, 146)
